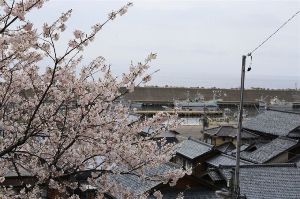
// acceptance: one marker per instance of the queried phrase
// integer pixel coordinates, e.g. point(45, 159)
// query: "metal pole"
point(238, 139)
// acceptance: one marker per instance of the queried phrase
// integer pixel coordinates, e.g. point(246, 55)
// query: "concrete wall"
point(168, 95)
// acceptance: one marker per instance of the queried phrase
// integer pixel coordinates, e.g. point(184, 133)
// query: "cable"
point(262, 43)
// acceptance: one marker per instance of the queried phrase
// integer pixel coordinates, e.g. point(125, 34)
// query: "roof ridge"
point(213, 127)
point(262, 165)
point(272, 143)
point(227, 155)
point(286, 138)
point(247, 131)
point(172, 164)
point(228, 125)
point(233, 157)
point(220, 127)
point(200, 142)
point(283, 111)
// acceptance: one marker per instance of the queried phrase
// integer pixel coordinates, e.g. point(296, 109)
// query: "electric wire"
point(280, 27)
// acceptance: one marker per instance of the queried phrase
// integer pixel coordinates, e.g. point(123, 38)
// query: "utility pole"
point(236, 193)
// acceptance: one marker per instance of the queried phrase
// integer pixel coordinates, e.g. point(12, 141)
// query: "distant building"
point(227, 133)
point(169, 135)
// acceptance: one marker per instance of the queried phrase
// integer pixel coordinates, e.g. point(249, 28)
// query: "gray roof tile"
point(268, 181)
point(137, 185)
point(193, 148)
point(199, 193)
point(226, 147)
point(273, 122)
point(214, 175)
point(229, 131)
point(134, 184)
point(223, 159)
point(11, 172)
point(269, 150)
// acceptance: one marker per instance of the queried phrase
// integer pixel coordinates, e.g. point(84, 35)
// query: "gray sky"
point(199, 43)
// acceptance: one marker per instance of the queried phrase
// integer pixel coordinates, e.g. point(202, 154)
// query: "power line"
point(280, 27)
point(236, 190)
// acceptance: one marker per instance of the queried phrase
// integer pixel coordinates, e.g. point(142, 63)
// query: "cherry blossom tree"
point(58, 123)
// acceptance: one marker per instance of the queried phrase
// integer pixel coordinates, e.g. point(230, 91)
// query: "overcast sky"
point(199, 43)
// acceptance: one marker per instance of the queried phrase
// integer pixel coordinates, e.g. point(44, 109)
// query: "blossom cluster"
point(58, 124)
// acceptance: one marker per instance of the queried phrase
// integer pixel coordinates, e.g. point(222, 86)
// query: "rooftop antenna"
point(236, 188)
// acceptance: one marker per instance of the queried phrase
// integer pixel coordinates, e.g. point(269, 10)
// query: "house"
point(137, 186)
point(227, 133)
point(190, 186)
point(191, 153)
point(226, 147)
point(186, 131)
point(224, 159)
point(17, 179)
point(169, 135)
point(274, 123)
point(276, 151)
point(212, 175)
point(268, 181)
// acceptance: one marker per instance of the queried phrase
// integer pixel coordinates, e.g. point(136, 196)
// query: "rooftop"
point(193, 193)
point(192, 148)
point(224, 159)
point(186, 131)
point(163, 134)
point(269, 150)
point(229, 131)
point(22, 171)
point(268, 181)
point(273, 122)
point(226, 147)
point(137, 185)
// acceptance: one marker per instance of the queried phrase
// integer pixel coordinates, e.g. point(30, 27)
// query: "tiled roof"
point(12, 173)
point(186, 131)
point(228, 131)
point(163, 134)
point(268, 181)
point(137, 185)
point(269, 150)
point(134, 184)
point(242, 148)
point(200, 193)
point(192, 148)
point(273, 122)
point(223, 159)
point(214, 175)
point(212, 131)
point(295, 133)
point(226, 147)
